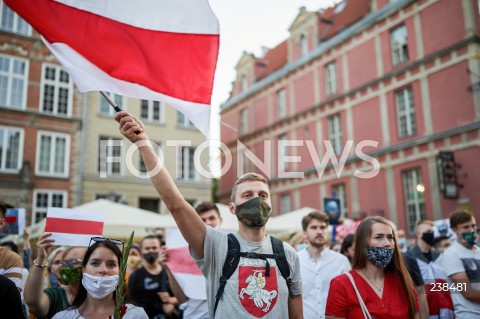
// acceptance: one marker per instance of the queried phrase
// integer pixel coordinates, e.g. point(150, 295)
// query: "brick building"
point(402, 74)
point(39, 122)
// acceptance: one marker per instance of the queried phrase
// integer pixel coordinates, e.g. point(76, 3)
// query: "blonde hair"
point(54, 253)
point(296, 238)
point(248, 177)
point(423, 222)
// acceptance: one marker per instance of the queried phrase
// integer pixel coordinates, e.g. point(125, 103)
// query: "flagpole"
point(114, 105)
point(111, 102)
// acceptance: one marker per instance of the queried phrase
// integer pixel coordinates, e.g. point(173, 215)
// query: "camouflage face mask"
point(70, 276)
point(253, 213)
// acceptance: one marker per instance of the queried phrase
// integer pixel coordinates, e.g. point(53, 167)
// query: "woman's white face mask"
point(99, 287)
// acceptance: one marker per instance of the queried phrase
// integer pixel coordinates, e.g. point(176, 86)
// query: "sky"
point(248, 25)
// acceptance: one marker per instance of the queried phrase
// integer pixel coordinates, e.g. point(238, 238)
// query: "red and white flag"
point(183, 267)
point(162, 50)
point(70, 227)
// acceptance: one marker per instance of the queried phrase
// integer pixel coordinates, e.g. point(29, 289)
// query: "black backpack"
point(233, 258)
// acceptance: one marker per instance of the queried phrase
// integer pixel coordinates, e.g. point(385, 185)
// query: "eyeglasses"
point(102, 239)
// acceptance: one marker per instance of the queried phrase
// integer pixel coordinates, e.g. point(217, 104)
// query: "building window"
point(11, 149)
point(112, 196)
point(53, 154)
point(152, 111)
point(338, 191)
point(142, 167)
point(331, 78)
point(245, 165)
point(150, 204)
point(112, 149)
point(43, 199)
point(303, 44)
point(414, 200)
point(243, 121)
point(405, 113)
point(56, 87)
point(183, 121)
point(285, 203)
point(11, 21)
point(13, 82)
point(186, 168)
point(106, 108)
point(282, 151)
point(398, 38)
point(244, 82)
point(335, 133)
point(282, 103)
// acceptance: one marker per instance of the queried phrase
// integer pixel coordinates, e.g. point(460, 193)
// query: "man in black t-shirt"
point(148, 286)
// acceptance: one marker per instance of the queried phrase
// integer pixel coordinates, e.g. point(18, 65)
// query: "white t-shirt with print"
point(249, 292)
point(457, 259)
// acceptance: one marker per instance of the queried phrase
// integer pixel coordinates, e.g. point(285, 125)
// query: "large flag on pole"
point(162, 50)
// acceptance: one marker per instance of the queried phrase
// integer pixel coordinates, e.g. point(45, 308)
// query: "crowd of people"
point(369, 274)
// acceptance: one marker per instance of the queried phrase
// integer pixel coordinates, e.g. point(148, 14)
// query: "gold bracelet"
point(40, 266)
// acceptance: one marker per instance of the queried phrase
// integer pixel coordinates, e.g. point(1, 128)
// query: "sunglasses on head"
point(94, 240)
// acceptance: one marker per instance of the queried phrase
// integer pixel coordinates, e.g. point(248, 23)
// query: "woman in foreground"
point(95, 297)
point(384, 285)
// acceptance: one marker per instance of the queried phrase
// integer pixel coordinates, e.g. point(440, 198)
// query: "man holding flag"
point(249, 292)
point(166, 50)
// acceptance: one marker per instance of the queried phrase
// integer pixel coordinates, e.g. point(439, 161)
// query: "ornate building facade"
point(386, 87)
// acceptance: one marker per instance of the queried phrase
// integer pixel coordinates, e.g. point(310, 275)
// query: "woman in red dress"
point(380, 276)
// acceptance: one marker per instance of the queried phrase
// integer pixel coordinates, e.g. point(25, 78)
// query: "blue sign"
point(333, 208)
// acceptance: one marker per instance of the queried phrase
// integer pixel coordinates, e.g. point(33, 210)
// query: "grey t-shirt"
point(249, 292)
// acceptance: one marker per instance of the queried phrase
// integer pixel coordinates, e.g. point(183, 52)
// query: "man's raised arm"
point(190, 224)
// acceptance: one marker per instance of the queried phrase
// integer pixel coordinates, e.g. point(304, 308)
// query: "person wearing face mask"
point(461, 263)
point(148, 286)
point(440, 303)
point(95, 297)
point(54, 261)
point(379, 282)
point(44, 303)
point(402, 240)
point(441, 243)
point(256, 287)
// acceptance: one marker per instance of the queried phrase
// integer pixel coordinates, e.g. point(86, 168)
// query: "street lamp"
point(420, 188)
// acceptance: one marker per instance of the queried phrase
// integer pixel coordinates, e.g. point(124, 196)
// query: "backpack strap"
point(282, 263)
point(229, 267)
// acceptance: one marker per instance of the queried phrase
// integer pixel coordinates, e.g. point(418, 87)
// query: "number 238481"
point(445, 286)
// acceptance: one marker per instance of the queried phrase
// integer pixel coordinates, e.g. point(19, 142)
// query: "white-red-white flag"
point(70, 227)
point(162, 50)
point(183, 267)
